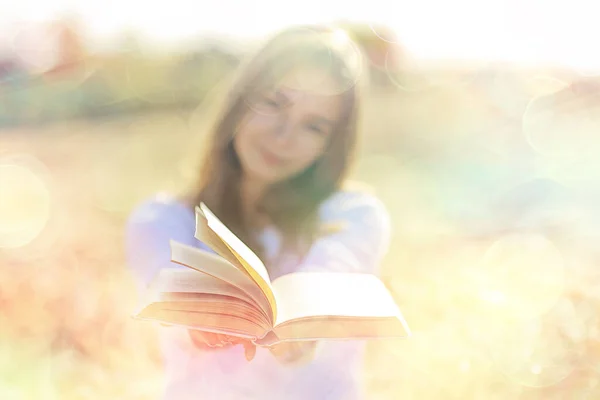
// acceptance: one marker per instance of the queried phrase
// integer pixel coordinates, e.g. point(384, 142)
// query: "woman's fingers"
point(293, 352)
point(285, 351)
point(220, 339)
point(201, 339)
point(207, 338)
point(213, 339)
point(249, 350)
point(249, 347)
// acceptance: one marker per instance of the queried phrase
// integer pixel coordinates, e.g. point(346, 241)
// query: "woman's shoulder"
point(161, 207)
point(354, 226)
point(354, 203)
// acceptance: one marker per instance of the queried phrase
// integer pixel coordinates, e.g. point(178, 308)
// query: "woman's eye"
point(270, 102)
point(315, 128)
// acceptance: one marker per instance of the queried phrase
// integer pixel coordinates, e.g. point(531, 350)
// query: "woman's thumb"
point(249, 350)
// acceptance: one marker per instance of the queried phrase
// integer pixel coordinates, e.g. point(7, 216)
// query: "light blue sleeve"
point(362, 240)
point(148, 230)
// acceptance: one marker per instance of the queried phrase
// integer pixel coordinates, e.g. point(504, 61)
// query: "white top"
point(192, 373)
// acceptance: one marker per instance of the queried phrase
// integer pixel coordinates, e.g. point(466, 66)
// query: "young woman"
point(273, 172)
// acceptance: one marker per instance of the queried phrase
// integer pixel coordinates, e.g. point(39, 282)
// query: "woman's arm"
point(359, 244)
point(359, 237)
point(148, 231)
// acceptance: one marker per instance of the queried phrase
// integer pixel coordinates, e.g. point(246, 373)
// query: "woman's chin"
point(265, 175)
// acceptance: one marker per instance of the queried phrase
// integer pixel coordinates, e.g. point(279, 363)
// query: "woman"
point(273, 172)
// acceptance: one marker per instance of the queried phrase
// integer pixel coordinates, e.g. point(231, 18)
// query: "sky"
point(527, 31)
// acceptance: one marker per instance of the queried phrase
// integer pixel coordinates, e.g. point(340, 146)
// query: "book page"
point(212, 240)
point(214, 265)
point(337, 328)
point(222, 305)
point(333, 294)
point(207, 322)
point(249, 261)
point(207, 304)
point(175, 280)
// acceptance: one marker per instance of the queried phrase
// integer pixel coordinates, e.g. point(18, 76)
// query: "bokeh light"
point(25, 204)
point(36, 47)
point(525, 275)
point(405, 78)
point(565, 124)
point(384, 34)
point(528, 357)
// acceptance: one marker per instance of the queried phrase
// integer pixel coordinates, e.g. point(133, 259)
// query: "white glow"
point(529, 31)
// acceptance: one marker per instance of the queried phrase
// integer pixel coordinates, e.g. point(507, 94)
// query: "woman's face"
point(287, 126)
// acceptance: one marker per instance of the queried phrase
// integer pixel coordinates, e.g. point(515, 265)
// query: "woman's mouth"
point(271, 159)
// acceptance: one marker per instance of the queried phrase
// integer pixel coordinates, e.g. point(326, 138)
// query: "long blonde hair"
point(291, 205)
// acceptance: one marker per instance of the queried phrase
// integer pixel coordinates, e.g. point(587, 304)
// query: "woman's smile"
point(271, 159)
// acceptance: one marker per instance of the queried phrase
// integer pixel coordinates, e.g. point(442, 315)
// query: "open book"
point(231, 293)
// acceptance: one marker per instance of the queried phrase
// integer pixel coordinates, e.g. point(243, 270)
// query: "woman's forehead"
point(324, 106)
point(307, 81)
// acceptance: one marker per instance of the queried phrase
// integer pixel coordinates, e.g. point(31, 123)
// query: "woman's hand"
point(294, 352)
point(286, 352)
point(207, 340)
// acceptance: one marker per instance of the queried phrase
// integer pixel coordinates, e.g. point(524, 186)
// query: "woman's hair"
point(291, 205)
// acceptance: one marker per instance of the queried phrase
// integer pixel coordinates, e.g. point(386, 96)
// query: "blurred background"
point(481, 138)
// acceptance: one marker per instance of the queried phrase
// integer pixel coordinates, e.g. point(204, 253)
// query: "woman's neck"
point(252, 192)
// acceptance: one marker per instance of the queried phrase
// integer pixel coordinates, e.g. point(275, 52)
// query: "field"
point(495, 274)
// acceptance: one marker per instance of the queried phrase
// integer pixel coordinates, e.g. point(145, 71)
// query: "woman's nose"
point(284, 132)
